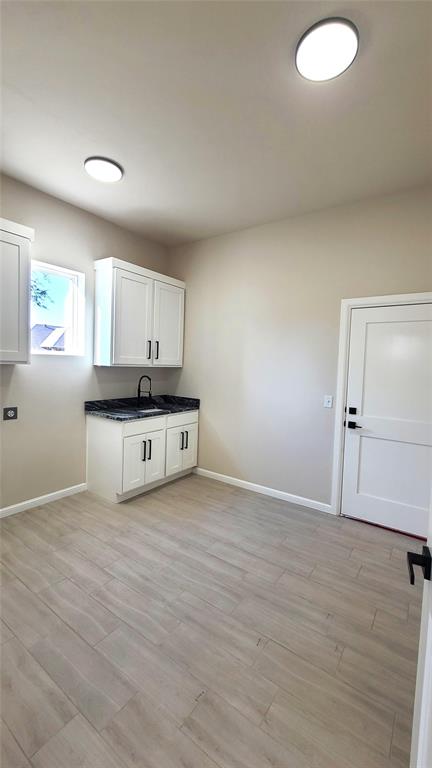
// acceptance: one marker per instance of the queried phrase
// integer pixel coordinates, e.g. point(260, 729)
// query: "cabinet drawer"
point(142, 426)
point(179, 419)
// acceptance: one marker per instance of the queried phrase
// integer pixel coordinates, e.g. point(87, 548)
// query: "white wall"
point(44, 450)
point(262, 324)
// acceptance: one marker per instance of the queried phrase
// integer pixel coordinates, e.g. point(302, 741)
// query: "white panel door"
point(155, 456)
point(133, 319)
point(388, 455)
point(168, 324)
point(14, 298)
point(190, 446)
point(134, 464)
point(174, 453)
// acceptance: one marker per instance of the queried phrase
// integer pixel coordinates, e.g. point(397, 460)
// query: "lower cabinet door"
point(174, 454)
point(155, 456)
point(133, 462)
point(190, 449)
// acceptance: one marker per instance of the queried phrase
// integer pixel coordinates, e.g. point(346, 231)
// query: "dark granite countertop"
point(128, 408)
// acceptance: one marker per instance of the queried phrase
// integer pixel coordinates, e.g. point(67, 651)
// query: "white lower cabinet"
point(143, 459)
point(122, 458)
point(190, 448)
point(182, 448)
point(155, 456)
point(174, 456)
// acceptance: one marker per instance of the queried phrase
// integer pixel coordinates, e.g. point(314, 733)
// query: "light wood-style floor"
point(203, 626)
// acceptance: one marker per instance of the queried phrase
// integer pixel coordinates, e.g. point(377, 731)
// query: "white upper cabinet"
point(14, 292)
point(139, 316)
point(133, 318)
point(168, 324)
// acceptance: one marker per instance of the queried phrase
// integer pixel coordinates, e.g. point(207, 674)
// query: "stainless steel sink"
point(150, 410)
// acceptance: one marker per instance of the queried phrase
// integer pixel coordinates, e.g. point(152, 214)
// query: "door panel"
point(393, 471)
point(397, 351)
point(174, 454)
point(155, 463)
point(191, 445)
point(133, 318)
point(133, 462)
point(168, 324)
point(387, 461)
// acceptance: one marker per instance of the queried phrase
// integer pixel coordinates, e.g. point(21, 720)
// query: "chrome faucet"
point(149, 391)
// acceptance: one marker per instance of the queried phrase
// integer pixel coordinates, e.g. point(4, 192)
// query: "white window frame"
point(77, 346)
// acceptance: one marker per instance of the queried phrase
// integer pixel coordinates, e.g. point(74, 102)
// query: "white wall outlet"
point(328, 401)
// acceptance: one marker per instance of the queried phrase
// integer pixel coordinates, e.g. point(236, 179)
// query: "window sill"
point(47, 353)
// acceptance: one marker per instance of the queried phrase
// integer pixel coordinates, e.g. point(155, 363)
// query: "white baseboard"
point(30, 503)
point(283, 495)
point(289, 497)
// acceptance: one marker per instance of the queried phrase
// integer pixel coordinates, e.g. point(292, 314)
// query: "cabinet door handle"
point(150, 450)
point(182, 440)
point(149, 350)
point(157, 351)
point(187, 439)
point(144, 450)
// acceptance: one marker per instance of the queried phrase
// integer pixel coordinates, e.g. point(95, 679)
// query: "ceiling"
point(202, 105)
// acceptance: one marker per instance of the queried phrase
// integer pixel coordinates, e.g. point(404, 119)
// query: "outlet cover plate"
point(10, 413)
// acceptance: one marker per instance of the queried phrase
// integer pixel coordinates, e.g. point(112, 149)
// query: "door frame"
point(347, 305)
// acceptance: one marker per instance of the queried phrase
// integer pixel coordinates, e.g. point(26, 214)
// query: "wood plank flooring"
point(203, 626)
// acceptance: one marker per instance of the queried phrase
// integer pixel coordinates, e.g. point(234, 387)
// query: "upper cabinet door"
point(132, 331)
point(168, 324)
point(14, 298)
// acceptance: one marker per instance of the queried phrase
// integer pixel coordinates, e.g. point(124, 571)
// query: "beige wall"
point(262, 324)
point(262, 321)
point(45, 449)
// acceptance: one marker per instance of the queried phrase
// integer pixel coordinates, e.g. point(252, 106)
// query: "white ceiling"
point(202, 105)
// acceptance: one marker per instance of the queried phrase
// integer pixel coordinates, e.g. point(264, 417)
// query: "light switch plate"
point(328, 401)
point(10, 413)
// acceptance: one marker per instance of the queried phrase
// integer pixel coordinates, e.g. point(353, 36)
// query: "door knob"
point(424, 560)
point(353, 425)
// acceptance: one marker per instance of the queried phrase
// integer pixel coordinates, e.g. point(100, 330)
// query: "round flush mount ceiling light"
point(327, 49)
point(103, 169)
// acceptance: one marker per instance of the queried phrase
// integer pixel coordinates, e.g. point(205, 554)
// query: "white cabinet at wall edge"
point(181, 448)
point(139, 316)
point(127, 458)
point(15, 242)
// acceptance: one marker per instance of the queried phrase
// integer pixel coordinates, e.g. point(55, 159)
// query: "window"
point(57, 310)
